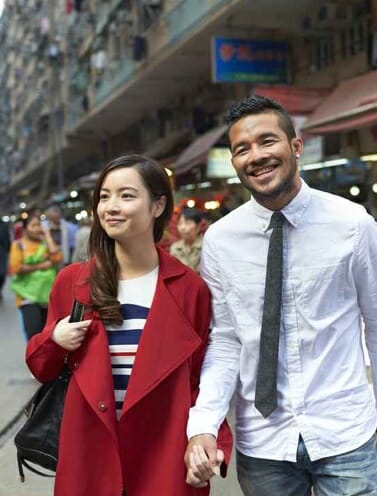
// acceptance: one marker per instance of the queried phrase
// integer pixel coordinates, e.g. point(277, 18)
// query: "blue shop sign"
point(252, 61)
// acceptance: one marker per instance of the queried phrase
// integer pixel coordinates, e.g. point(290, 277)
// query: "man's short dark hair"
point(257, 104)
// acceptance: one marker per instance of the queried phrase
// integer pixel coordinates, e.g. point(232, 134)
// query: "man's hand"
point(202, 459)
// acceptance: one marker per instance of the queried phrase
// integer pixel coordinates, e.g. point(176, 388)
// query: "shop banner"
point(253, 61)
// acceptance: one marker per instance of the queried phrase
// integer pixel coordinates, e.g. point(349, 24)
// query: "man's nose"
point(257, 154)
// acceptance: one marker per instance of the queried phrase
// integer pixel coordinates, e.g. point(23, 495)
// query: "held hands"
point(202, 459)
point(70, 335)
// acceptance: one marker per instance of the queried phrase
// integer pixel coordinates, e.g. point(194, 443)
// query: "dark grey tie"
point(265, 390)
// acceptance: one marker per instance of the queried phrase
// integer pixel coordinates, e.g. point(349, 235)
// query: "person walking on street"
point(32, 263)
point(188, 248)
point(135, 365)
point(80, 252)
point(62, 231)
point(288, 295)
point(4, 251)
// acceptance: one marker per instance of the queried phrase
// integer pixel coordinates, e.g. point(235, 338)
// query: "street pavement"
point(16, 387)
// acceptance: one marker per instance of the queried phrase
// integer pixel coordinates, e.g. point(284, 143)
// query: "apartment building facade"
point(85, 81)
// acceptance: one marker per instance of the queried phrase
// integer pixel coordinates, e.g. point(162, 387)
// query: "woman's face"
point(188, 229)
point(33, 229)
point(125, 209)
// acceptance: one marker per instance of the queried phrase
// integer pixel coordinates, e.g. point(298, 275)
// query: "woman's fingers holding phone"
point(70, 335)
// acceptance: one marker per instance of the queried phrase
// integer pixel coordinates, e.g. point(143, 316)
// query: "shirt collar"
point(293, 212)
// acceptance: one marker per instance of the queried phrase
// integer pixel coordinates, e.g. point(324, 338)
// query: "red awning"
point(351, 105)
point(296, 100)
point(367, 119)
point(197, 152)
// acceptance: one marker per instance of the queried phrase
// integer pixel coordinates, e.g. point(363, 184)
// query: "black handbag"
point(37, 441)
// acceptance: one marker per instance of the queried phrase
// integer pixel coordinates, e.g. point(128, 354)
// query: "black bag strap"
point(22, 462)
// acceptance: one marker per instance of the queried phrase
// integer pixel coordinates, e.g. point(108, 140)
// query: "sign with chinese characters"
point(252, 61)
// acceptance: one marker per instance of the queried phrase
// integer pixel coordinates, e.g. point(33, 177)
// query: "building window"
point(354, 39)
point(322, 55)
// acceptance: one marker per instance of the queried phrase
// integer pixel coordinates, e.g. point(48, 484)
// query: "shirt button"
point(102, 407)
point(75, 365)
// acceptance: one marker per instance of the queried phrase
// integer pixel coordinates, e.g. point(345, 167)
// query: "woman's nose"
point(112, 206)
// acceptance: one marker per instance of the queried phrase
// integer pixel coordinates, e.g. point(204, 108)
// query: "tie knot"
point(277, 220)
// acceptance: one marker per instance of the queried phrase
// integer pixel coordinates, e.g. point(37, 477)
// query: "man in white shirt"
point(321, 435)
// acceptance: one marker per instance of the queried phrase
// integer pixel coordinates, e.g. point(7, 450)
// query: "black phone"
point(77, 312)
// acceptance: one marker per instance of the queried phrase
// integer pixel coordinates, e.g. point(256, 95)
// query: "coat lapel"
point(166, 342)
point(93, 374)
point(92, 366)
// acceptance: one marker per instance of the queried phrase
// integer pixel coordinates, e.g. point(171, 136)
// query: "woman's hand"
point(70, 335)
point(203, 460)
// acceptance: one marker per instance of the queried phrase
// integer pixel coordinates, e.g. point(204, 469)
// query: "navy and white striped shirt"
point(135, 296)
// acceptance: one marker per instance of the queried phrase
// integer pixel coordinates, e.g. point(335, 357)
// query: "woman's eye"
point(102, 197)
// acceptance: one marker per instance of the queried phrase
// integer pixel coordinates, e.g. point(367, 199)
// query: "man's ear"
point(297, 147)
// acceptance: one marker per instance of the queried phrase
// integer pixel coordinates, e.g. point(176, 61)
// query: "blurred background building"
point(84, 81)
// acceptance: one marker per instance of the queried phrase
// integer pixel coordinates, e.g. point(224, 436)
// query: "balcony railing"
point(178, 22)
point(122, 74)
point(189, 14)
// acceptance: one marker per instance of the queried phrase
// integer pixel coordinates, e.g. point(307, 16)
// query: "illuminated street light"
point(354, 191)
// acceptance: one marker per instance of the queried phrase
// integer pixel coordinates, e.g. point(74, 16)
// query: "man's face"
point(265, 160)
point(54, 218)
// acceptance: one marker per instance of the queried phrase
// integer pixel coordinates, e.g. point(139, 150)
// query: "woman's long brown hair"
point(104, 273)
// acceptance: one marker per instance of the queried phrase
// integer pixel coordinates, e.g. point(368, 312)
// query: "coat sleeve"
point(44, 357)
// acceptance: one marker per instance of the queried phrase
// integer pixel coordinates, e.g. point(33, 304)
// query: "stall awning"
point(295, 99)
point(197, 152)
point(351, 105)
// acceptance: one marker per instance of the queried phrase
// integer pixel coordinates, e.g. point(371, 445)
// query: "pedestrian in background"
point(135, 365)
point(188, 248)
point(80, 252)
point(292, 273)
point(4, 251)
point(32, 263)
point(63, 232)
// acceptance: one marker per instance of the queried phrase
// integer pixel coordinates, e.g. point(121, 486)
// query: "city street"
point(16, 387)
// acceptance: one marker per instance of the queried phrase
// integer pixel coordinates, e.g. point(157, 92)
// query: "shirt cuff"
point(202, 422)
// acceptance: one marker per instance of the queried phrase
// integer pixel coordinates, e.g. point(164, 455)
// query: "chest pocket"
point(246, 291)
point(322, 291)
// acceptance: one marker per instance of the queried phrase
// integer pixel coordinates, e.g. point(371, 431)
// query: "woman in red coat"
point(136, 356)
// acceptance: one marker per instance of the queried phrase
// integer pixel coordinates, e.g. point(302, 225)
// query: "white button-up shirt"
point(329, 282)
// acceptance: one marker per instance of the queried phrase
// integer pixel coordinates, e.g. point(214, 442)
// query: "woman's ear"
point(159, 206)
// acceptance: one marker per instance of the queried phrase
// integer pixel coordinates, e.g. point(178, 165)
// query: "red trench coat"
point(143, 452)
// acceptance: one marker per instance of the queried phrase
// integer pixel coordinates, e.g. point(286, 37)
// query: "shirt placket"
point(291, 343)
